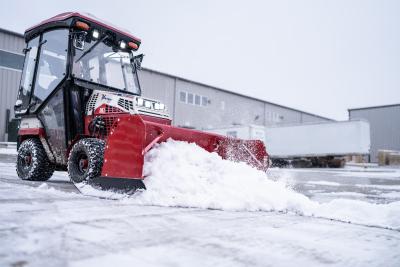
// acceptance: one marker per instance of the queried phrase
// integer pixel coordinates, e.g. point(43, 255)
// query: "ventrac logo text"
point(104, 97)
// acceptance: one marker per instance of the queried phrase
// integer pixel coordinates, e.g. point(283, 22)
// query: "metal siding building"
point(11, 45)
point(385, 127)
point(190, 104)
point(222, 108)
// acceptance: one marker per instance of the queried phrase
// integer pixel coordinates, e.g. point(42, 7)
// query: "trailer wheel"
point(86, 160)
point(32, 161)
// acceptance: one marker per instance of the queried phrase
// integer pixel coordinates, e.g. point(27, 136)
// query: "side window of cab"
point(25, 89)
point(52, 64)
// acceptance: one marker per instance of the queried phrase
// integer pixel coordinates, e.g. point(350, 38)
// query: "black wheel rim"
point(25, 161)
point(82, 163)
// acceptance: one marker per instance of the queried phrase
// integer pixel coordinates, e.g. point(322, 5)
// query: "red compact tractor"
point(81, 108)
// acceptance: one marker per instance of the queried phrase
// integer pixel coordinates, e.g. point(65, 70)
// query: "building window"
point(182, 97)
point(11, 60)
point(190, 98)
point(193, 99)
point(204, 101)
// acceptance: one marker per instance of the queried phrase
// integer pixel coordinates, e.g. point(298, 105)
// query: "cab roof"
point(68, 19)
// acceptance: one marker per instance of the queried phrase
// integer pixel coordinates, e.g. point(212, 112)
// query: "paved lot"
point(51, 224)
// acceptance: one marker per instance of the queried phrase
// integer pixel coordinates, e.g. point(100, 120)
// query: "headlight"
point(147, 104)
point(140, 101)
point(156, 106)
point(162, 106)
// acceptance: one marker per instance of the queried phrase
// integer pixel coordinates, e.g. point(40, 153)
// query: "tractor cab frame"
point(66, 58)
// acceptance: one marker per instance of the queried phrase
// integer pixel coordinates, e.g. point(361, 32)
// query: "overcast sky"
point(318, 56)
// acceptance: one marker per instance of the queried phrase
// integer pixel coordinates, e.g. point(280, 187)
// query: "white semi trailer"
point(322, 144)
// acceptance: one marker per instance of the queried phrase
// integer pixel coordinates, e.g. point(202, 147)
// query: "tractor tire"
point(86, 160)
point(32, 161)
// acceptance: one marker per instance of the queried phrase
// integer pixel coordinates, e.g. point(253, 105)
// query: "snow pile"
point(184, 175)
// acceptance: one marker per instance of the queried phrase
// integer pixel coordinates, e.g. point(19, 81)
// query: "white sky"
point(318, 56)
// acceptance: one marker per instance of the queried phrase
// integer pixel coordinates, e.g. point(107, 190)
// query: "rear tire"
point(86, 160)
point(32, 161)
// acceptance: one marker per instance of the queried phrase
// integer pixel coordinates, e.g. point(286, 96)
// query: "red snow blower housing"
point(81, 108)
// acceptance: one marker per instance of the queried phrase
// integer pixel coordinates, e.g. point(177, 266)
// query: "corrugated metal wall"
point(9, 78)
point(223, 108)
point(385, 127)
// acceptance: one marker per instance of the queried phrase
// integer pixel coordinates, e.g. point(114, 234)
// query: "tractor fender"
point(33, 127)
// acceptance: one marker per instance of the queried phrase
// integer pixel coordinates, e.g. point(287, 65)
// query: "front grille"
point(126, 104)
point(110, 109)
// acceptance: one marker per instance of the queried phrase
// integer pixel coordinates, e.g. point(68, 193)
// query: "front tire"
point(86, 160)
point(32, 161)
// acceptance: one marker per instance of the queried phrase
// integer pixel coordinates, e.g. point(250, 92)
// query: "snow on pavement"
point(47, 227)
point(203, 180)
point(224, 221)
point(8, 151)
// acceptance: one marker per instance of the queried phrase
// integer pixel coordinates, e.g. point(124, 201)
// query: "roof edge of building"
point(235, 93)
point(11, 32)
point(373, 107)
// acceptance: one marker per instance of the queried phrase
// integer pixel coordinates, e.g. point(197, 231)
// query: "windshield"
point(107, 66)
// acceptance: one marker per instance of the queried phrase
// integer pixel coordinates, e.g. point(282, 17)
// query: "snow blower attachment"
point(81, 108)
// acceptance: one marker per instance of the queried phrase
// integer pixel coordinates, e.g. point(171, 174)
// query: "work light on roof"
point(122, 44)
point(95, 34)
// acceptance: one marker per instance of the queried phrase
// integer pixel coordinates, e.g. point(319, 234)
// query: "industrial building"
point(196, 105)
point(191, 104)
point(384, 124)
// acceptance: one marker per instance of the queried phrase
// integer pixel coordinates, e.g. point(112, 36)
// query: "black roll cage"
point(68, 72)
point(66, 84)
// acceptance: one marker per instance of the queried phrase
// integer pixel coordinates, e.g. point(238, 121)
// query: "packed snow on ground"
point(384, 173)
point(323, 183)
point(233, 215)
point(8, 151)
